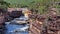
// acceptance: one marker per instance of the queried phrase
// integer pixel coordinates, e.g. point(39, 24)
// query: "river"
point(16, 28)
point(12, 27)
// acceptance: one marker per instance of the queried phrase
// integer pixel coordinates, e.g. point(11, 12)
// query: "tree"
point(3, 6)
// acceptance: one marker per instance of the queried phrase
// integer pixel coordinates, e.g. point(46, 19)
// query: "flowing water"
point(12, 27)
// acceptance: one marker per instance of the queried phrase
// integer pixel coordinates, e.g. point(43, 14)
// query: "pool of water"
point(12, 27)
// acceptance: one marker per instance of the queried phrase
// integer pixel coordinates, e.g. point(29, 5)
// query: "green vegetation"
point(4, 4)
point(40, 5)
